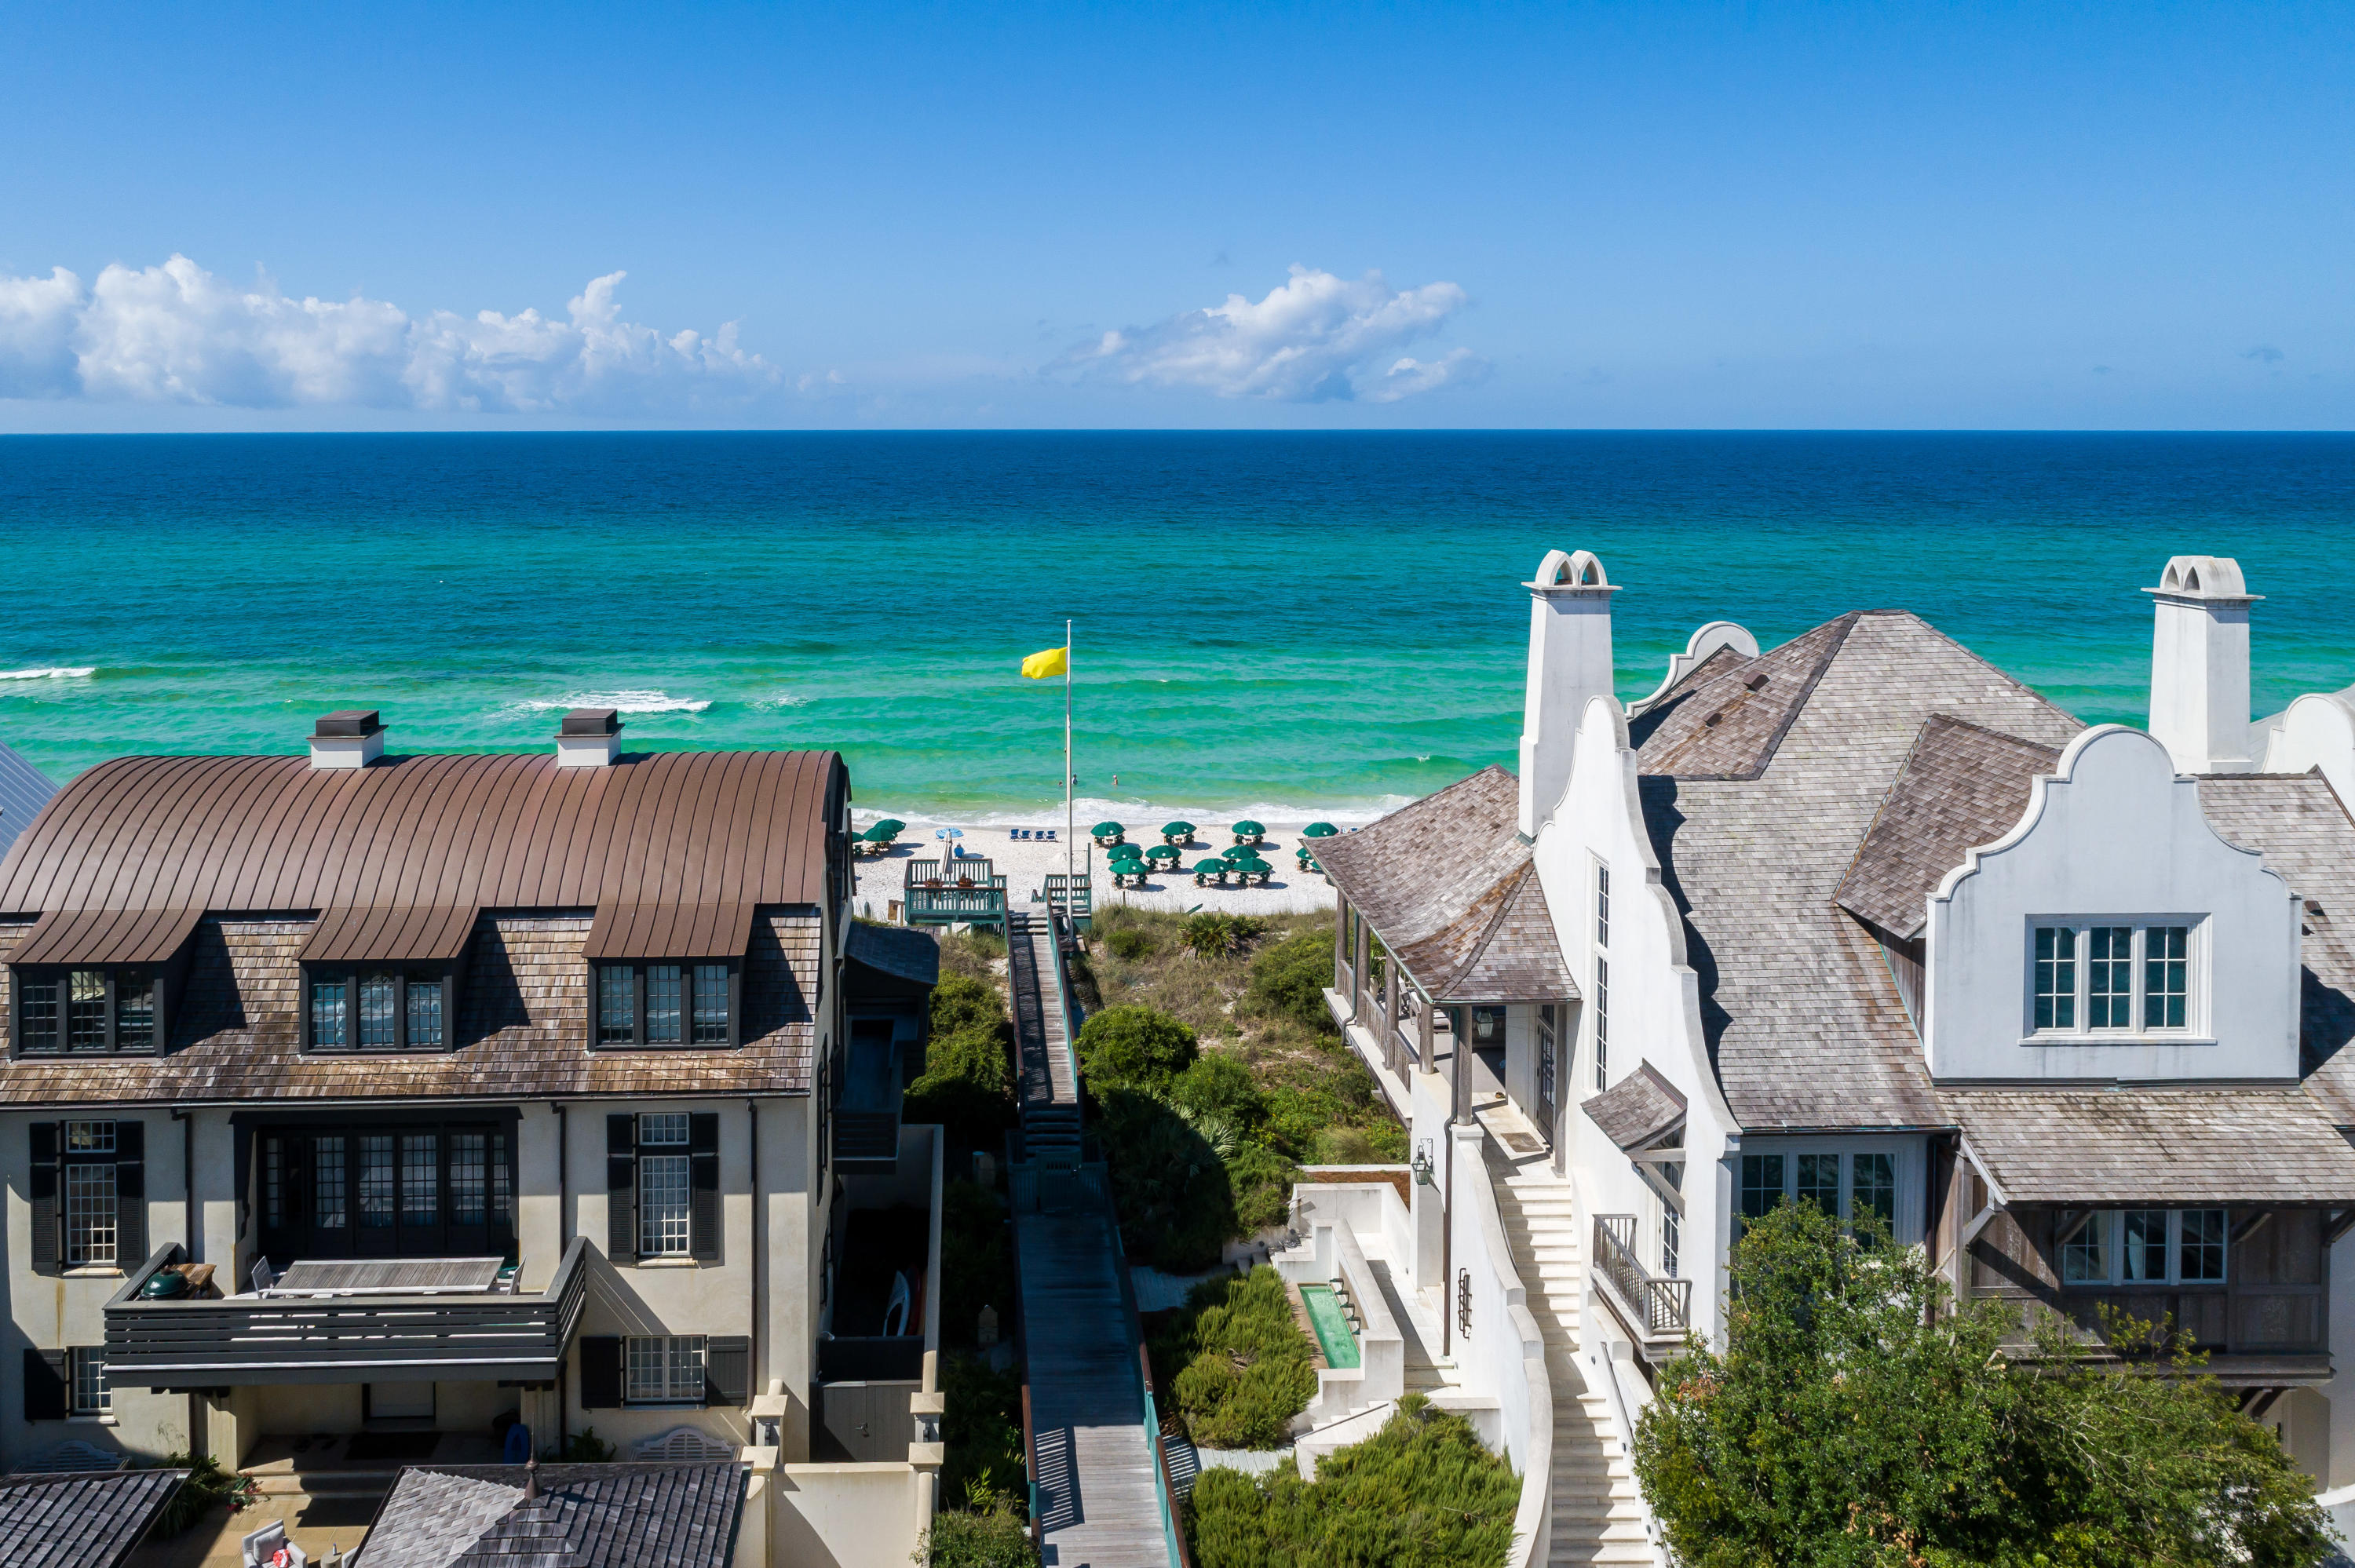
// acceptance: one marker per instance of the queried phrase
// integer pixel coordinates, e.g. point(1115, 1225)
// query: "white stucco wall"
point(1655, 1000)
point(2116, 837)
point(2317, 730)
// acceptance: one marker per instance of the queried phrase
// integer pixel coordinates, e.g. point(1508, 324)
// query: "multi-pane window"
point(2147, 1246)
point(91, 1395)
point(1840, 1184)
point(469, 1177)
point(2056, 977)
point(665, 1004)
point(2111, 978)
point(90, 1185)
point(421, 1178)
point(1601, 906)
point(665, 1368)
point(330, 1207)
point(1547, 1035)
point(377, 1185)
point(1762, 1184)
point(1671, 1240)
point(1602, 1022)
point(664, 1202)
point(88, 1012)
point(711, 1004)
point(377, 1010)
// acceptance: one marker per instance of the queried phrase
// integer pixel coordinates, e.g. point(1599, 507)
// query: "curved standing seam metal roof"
point(432, 832)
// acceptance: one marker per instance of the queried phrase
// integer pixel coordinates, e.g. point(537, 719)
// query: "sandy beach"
point(1025, 863)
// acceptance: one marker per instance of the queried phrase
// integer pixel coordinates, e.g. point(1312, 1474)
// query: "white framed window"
point(664, 1212)
point(89, 1185)
point(1602, 904)
point(1671, 1240)
point(91, 1395)
point(1843, 1183)
point(2113, 977)
point(2146, 1247)
point(1602, 1022)
point(665, 1368)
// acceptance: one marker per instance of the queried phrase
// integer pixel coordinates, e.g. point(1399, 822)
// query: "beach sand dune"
point(1025, 865)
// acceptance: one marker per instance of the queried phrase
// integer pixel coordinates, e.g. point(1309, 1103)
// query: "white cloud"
point(178, 334)
point(1317, 338)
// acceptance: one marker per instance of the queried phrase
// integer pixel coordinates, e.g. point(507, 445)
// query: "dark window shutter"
point(601, 1372)
point(622, 1188)
point(703, 1186)
point(45, 1386)
point(728, 1370)
point(43, 1191)
point(130, 1195)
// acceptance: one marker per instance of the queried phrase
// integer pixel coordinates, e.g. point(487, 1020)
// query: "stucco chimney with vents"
point(590, 738)
point(2199, 665)
point(349, 738)
point(1569, 661)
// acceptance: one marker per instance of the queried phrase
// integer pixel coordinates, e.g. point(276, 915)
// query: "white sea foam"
point(58, 673)
point(782, 700)
point(629, 701)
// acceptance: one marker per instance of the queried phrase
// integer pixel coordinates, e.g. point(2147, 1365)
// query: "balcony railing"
point(1660, 1309)
point(244, 1339)
point(943, 892)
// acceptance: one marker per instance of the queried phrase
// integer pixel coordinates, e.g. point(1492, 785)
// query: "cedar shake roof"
point(442, 832)
point(587, 1516)
point(1441, 880)
point(2298, 824)
point(2156, 1146)
point(1962, 788)
point(90, 1520)
point(24, 790)
point(1756, 829)
point(1636, 1110)
point(521, 1029)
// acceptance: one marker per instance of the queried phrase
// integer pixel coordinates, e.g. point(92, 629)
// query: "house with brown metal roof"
point(1862, 921)
point(363, 1091)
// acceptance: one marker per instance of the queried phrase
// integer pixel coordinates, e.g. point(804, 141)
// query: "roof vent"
point(588, 738)
point(349, 738)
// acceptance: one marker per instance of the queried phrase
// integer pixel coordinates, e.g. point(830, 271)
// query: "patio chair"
point(1049, 834)
point(1020, 834)
point(265, 1279)
point(261, 1547)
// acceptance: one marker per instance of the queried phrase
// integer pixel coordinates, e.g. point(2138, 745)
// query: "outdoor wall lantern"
point(1422, 1165)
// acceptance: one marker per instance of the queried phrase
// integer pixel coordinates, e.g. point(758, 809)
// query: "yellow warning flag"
point(1047, 661)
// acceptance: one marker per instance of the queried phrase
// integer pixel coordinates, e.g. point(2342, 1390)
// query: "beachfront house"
point(363, 1104)
point(1862, 920)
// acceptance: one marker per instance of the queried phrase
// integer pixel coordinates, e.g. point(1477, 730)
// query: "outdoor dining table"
point(389, 1276)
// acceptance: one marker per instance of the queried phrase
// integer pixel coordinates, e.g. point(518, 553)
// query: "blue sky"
point(1657, 216)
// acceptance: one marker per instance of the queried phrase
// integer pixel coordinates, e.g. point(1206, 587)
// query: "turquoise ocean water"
point(1270, 620)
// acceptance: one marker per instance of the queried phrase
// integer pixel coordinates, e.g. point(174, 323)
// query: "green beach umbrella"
point(1178, 829)
point(1125, 852)
point(1241, 852)
point(1107, 830)
point(1248, 826)
point(1322, 831)
point(1159, 854)
point(889, 825)
point(1213, 868)
point(879, 834)
point(1250, 862)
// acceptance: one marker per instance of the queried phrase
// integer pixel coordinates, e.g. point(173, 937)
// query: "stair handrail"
point(1066, 1002)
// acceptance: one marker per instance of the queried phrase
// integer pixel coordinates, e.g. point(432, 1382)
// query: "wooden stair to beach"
point(1598, 1513)
point(1047, 1093)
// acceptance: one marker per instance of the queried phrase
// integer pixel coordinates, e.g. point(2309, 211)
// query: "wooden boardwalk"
point(1099, 1497)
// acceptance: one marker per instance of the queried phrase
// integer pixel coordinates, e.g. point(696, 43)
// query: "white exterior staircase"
point(1598, 1514)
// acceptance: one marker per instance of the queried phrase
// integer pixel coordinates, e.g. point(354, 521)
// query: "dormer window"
point(664, 1006)
point(2111, 978)
point(108, 1009)
point(377, 1008)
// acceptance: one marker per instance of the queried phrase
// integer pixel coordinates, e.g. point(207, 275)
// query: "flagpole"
point(1070, 816)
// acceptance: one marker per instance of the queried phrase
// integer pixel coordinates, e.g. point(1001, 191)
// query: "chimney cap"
point(2213, 578)
point(347, 724)
point(592, 721)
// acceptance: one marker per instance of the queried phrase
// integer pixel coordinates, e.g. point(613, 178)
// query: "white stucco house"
point(1862, 919)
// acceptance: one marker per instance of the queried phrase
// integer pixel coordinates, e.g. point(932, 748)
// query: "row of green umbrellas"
point(1112, 835)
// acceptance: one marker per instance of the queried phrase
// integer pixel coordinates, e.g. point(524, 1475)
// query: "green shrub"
point(1218, 1086)
point(1261, 1180)
point(1134, 1047)
point(208, 1487)
point(1129, 943)
point(992, 1537)
point(1420, 1493)
point(1212, 934)
point(967, 1084)
point(1169, 1185)
point(1235, 1362)
point(981, 1432)
point(1288, 980)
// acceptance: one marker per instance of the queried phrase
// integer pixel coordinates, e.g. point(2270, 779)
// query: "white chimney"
point(349, 738)
point(1569, 661)
point(2199, 665)
point(588, 738)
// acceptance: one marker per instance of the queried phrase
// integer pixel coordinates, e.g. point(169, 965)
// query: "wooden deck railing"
point(1662, 1308)
point(242, 1340)
point(940, 891)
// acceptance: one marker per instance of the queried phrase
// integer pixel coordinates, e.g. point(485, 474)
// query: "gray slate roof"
point(587, 1516)
point(82, 1520)
point(1756, 821)
point(1638, 1109)
point(24, 790)
point(1443, 881)
point(1963, 787)
point(903, 951)
point(2158, 1146)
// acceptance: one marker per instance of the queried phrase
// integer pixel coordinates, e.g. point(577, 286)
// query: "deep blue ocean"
point(1276, 620)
